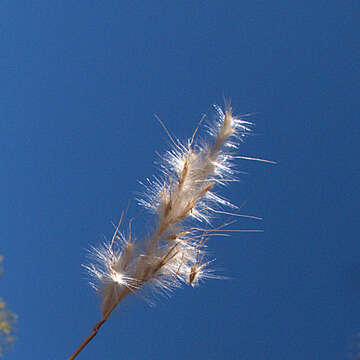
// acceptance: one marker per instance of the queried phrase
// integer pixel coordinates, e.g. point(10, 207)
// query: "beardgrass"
point(175, 251)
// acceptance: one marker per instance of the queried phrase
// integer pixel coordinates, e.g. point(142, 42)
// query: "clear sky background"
point(80, 82)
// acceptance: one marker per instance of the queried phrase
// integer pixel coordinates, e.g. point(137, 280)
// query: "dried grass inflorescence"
point(174, 253)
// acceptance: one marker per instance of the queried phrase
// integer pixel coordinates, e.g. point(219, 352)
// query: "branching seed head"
point(174, 253)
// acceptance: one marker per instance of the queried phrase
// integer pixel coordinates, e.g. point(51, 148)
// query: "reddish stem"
point(88, 339)
point(98, 325)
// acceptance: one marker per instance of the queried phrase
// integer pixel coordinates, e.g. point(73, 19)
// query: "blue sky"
point(80, 82)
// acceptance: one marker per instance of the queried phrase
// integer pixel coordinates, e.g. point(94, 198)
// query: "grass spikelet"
point(175, 251)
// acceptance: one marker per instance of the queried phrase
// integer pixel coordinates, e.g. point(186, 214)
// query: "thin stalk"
point(98, 325)
point(88, 339)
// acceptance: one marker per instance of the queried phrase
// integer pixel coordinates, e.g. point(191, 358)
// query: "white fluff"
point(174, 253)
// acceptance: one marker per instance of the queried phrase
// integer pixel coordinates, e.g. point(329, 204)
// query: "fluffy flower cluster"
point(174, 252)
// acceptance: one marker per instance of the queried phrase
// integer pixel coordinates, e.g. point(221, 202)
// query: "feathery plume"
point(175, 251)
